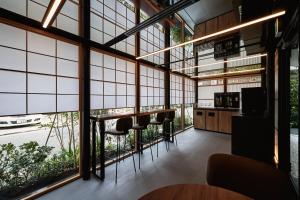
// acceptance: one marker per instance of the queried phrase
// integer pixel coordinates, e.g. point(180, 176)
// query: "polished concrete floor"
point(185, 163)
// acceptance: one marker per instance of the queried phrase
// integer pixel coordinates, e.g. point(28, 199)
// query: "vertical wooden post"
point(225, 79)
point(85, 89)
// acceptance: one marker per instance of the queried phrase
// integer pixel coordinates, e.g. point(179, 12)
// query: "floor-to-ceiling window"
point(39, 118)
point(294, 115)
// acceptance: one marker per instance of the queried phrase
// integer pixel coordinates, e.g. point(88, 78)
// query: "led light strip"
point(222, 62)
point(229, 73)
point(218, 33)
point(51, 13)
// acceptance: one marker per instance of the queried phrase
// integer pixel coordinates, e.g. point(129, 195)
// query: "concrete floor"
point(185, 163)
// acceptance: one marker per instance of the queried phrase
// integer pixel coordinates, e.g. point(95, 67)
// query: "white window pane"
point(109, 13)
point(109, 102)
point(144, 92)
point(121, 89)
point(156, 74)
point(130, 78)
point(156, 92)
point(121, 101)
point(121, 77)
point(109, 3)
point(12, 37)
point(8, 59)
point(130, 101)
point(107, 38)
point(156, 101)
point(96, 36)
point(12, 81)
point(109, 75)
point(144, 101)
point(120, 64)
point(161, 92)
point(97, 5)
point(150, 91)
point(41, 64)
point(67, 85)
point(161, 101)
point(96, 58)
point(41, 44)
point(143, 80)
point(130, 89)
point(150, 101)
point(150, 72)
point(67, 24)
point(12, 104)
point(36, 11)
point(96, 21)
point(130, 67)
point(66, 50)
point(143, 70)
point(156, 82)
point(67, 68)
point(96, 73)
point(130, 49)
point(150, 81)
point(109, 88)
point(96, 102)
point(67, 103)
point(121, 21)
point(121, 8)
point(17, 6)
point(109, 28)
point(130, 15)
point(162, 84)
point(121, 46)
point(70, 9)
point(40, 103)
point(41, 84)
point(109, 61)
point(96, 87)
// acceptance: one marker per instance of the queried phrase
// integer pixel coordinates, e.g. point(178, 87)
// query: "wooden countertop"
point(218, 109)
point(117, 116)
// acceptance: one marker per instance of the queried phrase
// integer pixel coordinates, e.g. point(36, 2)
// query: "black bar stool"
point(122, 129)
point(142, 123)
point(170, 120)
point(159, 120)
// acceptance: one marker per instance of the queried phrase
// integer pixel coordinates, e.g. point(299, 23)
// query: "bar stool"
point(159, 120)
point(122, 129)
point(143, 122)
point(170, 120)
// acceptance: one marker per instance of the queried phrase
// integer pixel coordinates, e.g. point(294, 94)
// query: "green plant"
point(176, 34)
point(294, 79)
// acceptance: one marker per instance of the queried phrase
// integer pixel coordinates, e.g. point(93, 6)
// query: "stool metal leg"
point(132, 154)
point(118, 152)
point(139, 143)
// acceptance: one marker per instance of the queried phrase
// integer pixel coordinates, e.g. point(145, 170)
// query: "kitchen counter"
point(214, 119)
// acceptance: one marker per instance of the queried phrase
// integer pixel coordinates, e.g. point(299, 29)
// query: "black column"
point(85, 89)
point(167, 66)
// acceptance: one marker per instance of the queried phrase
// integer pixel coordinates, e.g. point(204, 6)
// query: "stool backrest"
point(124, 124)
point(171, 115)
point(160, 117)
point(143, 120)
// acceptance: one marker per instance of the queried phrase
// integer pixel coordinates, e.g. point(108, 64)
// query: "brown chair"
point(122, 129)
point(142, 124)
point(252, 178)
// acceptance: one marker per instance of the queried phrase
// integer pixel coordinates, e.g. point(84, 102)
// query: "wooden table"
point(101, 120)
point(193, 192)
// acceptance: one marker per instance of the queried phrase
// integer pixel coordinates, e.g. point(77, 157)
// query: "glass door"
point(294, 115)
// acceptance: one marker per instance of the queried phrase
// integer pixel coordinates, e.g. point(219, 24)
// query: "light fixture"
point(52, 11)
point(233, 73)
point(222, 62)
point(243, 25)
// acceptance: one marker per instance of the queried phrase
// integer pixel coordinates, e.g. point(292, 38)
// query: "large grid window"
point(112, 82)
point(189, 87)
point(152, 39)
point(43, 78)
point(152, 88)
point(175, 55)
point(110, 18)
point(176, 93)
point(66, 20)
point(189, 62)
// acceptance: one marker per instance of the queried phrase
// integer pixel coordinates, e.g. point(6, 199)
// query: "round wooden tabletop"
point(192, 192)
